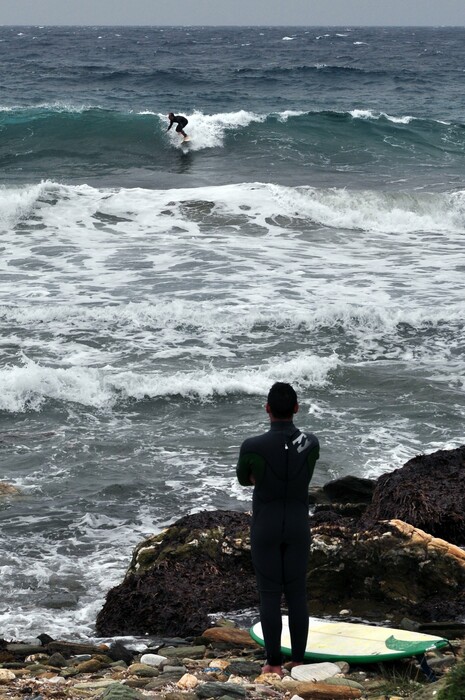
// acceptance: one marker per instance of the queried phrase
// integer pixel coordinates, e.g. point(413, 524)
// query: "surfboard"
point(186, 140)
point(355, 642)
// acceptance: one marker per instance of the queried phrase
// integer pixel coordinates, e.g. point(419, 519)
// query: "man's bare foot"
point(272, 669)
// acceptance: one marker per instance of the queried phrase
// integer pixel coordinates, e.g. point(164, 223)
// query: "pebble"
point(216, 690)
point(6, 676)
point(155, 660)
point(117, 691)
point(187, 682)
point(142, 670)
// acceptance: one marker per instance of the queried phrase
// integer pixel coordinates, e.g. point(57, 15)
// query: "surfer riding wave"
point(181, 123)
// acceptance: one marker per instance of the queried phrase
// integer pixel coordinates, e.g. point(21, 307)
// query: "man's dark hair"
point(282, 400)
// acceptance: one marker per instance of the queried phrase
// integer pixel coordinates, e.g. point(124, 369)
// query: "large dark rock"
point(427, 492)
point(392, 569)
point(199, 565)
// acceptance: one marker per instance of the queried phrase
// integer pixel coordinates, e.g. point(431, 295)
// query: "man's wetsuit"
point(281, 462)
point(180, 120)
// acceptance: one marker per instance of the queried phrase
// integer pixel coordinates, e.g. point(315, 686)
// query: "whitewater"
point(150, 293)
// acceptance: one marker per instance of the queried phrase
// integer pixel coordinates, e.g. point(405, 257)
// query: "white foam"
point(284, 116)
point(50, 106)
point(369, 114)
point(17, 202)
point(209, 130)
point(213, 257)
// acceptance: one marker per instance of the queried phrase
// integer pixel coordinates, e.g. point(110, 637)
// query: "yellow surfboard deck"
point(355, 642)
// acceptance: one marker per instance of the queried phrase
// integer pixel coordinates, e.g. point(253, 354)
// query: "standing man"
point(181, 123)
point(279, 464)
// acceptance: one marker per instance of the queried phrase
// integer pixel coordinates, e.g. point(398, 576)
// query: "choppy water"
point(312, 232)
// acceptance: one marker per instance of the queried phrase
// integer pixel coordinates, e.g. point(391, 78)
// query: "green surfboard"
point(354, 642)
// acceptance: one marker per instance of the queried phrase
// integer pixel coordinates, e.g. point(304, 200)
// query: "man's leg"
point(298, 623)
point(295, 558)
point(267, 561)
point(270, 617)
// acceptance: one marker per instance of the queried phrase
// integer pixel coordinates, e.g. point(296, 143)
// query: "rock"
point(350, 489)
point(347, 682)
point(56, 659)
point(6, 676)
point(23, 650)
point(97, 684)
point(160, 682)
point(430, 691)
point(219, 663)
point(232, 636)
point(201, 564)
point(326, 691)
point(315, 672)
point(142, 670)
point(153, 660)
point(244, 668)
point(37, 658)
point(118, 652)
point(216, 690)
point(90, 666)
point(174, 670)
point(428, 492)
point(56, 680)
point(440, 663)
point(343, 560)
point(194, 652)
point(74, 648)
point(117, 691)
point(187, 682)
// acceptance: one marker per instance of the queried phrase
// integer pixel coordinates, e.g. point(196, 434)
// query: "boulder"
point(199, 565)
point(427, 492)
point(391, 569)
point(348, 496)
point(350, 489)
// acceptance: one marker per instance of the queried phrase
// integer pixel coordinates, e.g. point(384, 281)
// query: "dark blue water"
point(371, 104)
point(150, 292)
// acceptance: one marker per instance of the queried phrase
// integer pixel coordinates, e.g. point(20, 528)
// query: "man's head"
point(281, 403)
point(171, 115)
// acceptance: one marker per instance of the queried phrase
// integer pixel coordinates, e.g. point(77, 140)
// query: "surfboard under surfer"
point(181, 123)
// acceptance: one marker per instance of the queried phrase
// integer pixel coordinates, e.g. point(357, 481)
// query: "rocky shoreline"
point(369, 555)
point(223, 662)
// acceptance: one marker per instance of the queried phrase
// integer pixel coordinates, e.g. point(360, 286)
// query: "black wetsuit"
point(180, 120)
point(282, 463)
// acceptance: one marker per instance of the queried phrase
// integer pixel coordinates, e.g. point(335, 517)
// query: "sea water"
point(150, 294)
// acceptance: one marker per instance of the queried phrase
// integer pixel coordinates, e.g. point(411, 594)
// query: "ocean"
point(150, 293)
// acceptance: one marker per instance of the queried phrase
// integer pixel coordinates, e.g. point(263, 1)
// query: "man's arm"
point(171, 124)
point(250, 468)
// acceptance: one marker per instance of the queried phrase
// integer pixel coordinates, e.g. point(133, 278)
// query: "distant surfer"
point(279, 464)
point(181, 123)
